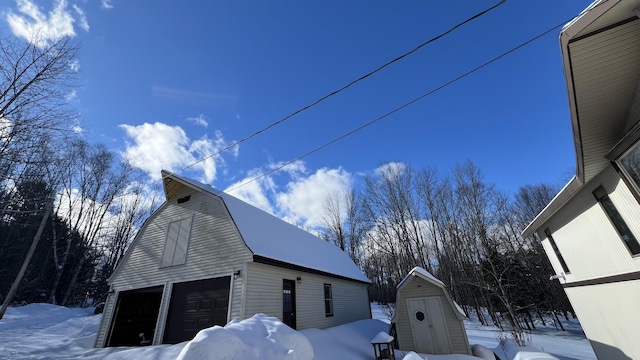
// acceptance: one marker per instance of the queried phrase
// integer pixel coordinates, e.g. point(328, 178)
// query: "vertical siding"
point(107, 314)
point(215, 249)
point(264, 295)
point(586, 237)
point(457, 332)
point(613, 333)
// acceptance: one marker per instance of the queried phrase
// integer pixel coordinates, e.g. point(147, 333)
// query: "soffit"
point(604, 68)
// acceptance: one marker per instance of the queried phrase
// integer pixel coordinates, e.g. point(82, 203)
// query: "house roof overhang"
point(601, 60)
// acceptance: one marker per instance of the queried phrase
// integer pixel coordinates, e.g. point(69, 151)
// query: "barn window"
point(177, 242)
point(618, 222)
point(328, 300)
point(565, 268)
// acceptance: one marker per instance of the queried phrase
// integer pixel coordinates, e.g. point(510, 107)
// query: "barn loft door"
point(430, 334)
point(289, 303)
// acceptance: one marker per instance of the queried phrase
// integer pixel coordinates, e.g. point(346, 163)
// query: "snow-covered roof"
point(272, 238)
point(427, 276)
point(424, 274)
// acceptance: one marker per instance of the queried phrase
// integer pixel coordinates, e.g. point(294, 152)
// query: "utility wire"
point(400, 107)
point(345, 86)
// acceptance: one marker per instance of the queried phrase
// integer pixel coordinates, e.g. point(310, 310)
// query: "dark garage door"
point(196, 305)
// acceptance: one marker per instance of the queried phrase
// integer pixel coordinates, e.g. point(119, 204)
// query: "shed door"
point(430, 334)
point(196, 305)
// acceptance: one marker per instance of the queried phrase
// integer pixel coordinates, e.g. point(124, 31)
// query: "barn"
point(205, 257)
point(426, 318)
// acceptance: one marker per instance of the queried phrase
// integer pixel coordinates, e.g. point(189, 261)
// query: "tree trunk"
point(25, 263)
point(72, 283)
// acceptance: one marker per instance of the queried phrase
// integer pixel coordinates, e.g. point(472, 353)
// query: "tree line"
point(68, 208)
point(456, 226)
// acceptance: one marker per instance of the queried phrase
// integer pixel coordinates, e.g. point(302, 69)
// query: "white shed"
point(205, 257)
point(426, 318)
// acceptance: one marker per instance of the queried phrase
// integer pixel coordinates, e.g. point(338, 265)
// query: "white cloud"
point(32, 24)
point(255, 192)
point(158, 146)
point(106, 4)
point(199, 120)
point(304, 200)
point(82, 18)
point(74, 65)
point(390, 168)
point(72, 95)
point(77, 129)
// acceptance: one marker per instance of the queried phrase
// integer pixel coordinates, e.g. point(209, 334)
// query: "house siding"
point(215, 249)
point(589, 242)
point(264, 295)
point(107, 312)
point(618, 327)
point(455, 326)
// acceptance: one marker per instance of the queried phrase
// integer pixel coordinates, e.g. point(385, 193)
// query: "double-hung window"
point(328, 300)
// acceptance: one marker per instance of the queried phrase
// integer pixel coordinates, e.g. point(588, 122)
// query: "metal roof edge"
point(566, 194)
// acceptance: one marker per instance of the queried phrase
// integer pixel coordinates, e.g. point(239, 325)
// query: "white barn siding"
point(264, 295)
point(619, 326)
point(162, 313)
point(208, 255)
point(591, 234)
point(107, 312)
point(457, 331)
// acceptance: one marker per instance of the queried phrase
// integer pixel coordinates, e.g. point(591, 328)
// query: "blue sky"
point(167, 83)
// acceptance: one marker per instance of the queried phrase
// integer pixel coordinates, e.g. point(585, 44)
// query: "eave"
point(601, 59)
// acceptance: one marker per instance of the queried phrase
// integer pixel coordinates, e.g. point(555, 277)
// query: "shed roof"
point(427, 276)
point(272, 238)
point(600, 52)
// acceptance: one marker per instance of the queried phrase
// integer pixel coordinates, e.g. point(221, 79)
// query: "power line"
point(345, 86)
point(407, 104)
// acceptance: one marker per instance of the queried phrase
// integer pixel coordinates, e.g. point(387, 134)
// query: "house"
point(205, 257)
point(591, 229)
point(426, 318)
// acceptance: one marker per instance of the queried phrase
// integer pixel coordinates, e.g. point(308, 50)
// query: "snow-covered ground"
point(43, 331)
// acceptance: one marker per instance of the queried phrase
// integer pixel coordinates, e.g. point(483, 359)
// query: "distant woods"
point(68, 209)
point(461, 229)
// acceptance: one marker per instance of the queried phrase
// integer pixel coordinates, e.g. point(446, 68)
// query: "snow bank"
point(44, 331)
point(528, 352)
point(259, 337)
point(348, 341)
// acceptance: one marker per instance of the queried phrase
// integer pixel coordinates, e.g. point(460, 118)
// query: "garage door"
point(194, 306)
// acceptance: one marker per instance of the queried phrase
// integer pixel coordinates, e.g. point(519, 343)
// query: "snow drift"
point(259, 337)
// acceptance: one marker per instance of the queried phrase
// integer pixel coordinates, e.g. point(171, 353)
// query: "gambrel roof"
point(273, 239)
